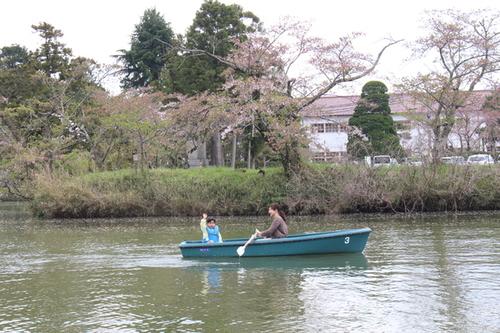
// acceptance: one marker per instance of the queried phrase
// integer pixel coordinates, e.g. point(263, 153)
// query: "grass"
point(223, 191)
point(159, 192)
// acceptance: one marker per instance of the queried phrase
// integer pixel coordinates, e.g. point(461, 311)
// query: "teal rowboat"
point(340, 241)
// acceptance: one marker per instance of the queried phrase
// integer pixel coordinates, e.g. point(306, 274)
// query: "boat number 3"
point(346, 240)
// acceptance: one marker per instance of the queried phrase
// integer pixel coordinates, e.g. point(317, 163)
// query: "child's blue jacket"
point(214, 235)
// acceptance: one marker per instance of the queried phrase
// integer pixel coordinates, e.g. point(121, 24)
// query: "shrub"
point(222, 191)
point(159, 192)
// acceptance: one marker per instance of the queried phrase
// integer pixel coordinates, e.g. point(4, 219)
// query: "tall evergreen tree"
point(52, 57)
point(213, 30)
point(375, 132)
point(148, 50)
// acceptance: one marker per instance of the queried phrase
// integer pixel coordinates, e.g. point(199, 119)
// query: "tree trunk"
point(233, 156)
point(291, 159)
point(202, 153)
point(141, 147)
point(440, 141)
point(218, 158)
point(493, 142)
point(249, 156)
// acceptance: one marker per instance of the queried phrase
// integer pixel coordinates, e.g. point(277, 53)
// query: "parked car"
point(480, 159)
point(459, 160)
point(380, 160)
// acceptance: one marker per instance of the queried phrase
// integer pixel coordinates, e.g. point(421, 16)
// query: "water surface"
point(431, 273)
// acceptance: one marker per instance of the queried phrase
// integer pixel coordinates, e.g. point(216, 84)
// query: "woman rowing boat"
point(278, 228)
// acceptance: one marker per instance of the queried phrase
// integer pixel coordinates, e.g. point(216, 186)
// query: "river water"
point(431, 273)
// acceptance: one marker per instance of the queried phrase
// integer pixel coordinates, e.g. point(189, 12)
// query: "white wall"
point(418, 143)
point(332, 141)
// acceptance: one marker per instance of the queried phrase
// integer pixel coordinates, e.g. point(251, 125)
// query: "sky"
point(98, 29)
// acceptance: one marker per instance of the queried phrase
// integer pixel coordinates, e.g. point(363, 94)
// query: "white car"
point(380, 160)
point(480, 159)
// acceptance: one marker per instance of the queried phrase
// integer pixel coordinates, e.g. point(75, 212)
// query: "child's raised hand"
point(205, 215)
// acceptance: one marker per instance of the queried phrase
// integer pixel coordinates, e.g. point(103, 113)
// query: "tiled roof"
point(399, 103)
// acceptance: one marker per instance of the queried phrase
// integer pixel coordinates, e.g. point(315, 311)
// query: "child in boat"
point(213, 231)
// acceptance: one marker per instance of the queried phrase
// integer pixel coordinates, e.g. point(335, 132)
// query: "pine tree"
point(52, 57)
point(149, 46)
point(375, 133)
point(213, 29)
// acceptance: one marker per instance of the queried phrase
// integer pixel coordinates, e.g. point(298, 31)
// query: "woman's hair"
point(275, 206)
point(211, 219)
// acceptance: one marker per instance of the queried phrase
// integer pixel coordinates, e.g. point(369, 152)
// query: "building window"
point(326, 128)
point(332, 128)
point(329, 156)
point(318, 128)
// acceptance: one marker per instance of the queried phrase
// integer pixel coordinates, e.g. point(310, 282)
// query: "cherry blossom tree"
point(260, 90)
point(466, 52)
point(490, 133)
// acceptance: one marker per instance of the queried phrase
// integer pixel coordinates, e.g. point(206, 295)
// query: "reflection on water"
point(294, 263)
point(429, 274)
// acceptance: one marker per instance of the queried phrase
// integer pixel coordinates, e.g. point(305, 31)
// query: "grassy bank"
point(159, 192)
point(350, 189)
point(222, 191)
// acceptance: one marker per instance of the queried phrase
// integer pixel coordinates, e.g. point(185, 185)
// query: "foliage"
point(130, 124)
point(13, 56)
point(408, 189)
point(466, 47)
point(159, 192)
point(316, 190)
point(375, 133)
point(215, 29)
point(43, 95)
point(149, 47)
point(259, 92)
point(52, 57)
point(491, 131)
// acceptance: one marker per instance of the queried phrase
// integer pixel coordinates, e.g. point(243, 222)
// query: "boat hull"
point(341, 241)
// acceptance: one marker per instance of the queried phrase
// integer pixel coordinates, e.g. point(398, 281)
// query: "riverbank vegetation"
point(225, 94)
point(223, 191)
point(220, 191)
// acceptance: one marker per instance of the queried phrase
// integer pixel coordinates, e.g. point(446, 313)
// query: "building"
point(328, 118)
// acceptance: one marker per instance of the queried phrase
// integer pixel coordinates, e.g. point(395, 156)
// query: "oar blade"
point(241, 249)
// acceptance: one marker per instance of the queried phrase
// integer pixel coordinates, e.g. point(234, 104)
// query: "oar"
point(241, 249)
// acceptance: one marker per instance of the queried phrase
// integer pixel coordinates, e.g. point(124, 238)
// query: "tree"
point(469, 119)
point(466, 52)
point(44, 98)
point(19, 80)
point(259, 90)
point(147, 56)
point(215, 29)
point(13, 56)
point(52, 57)
point(375, 133)
point(491, 130)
